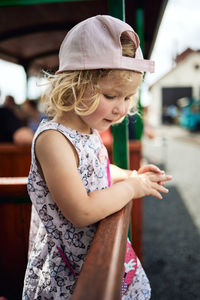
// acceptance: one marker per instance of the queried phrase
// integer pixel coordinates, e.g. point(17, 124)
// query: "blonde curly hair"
point(66, 90)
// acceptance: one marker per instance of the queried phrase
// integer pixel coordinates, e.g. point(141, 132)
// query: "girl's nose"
point(120, 108)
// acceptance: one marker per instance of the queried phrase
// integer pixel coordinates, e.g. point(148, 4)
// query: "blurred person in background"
point(12, 128)
point(10, 103)
point(32, 114)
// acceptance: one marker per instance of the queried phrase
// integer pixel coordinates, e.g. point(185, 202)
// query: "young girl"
point(70, 184)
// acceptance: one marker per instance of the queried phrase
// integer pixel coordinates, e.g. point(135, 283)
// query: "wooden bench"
point(15, 210)
point(14, 160)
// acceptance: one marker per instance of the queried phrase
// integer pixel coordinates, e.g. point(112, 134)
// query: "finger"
point(156, 194)
point(149, 168)
point(160, 188)
point(169, 177)
point(160, 178)
point(161, 182)
point(166, 178)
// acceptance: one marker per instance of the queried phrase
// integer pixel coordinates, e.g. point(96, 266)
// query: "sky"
point(179, 30)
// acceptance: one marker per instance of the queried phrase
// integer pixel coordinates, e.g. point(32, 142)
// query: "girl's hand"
point(148, 183)
point(150, 168)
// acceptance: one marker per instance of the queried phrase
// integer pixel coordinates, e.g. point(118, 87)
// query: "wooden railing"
point(102, 272)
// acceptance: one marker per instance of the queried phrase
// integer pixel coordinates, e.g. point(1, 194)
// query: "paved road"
point(172, 225)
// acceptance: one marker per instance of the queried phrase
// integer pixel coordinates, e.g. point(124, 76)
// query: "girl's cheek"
point(103, 109)
point(127, 107)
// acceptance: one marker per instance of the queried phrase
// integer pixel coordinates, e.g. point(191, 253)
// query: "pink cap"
point(95, 44)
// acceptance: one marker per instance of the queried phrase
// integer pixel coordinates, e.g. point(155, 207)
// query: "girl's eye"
point(129, 97)
point(109, 97)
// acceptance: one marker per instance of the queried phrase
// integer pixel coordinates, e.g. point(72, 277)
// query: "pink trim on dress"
point(66, 261)
point(108, 172)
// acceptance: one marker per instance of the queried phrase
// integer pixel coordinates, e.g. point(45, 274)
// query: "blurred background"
point(172, 141)
point(170, 101)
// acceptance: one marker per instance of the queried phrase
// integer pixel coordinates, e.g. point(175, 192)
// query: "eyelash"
point(109, 97)
point(113, 97)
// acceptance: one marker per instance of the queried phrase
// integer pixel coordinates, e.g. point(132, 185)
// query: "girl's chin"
point(102, 125)
point(102, 128)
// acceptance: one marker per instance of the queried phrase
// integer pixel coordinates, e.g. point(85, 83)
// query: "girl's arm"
point(58, 160)
point(117, 174)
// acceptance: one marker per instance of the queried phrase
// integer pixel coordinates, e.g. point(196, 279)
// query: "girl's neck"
point(72, 120)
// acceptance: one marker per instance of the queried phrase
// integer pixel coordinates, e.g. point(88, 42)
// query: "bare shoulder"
point(53, 145)
point(49, 137)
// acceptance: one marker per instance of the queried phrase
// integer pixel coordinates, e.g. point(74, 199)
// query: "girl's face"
point(114, 101)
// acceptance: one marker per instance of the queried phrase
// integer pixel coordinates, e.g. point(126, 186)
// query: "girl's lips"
point(109, 121)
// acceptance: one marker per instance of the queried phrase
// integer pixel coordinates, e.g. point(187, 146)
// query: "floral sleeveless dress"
point(57, 248)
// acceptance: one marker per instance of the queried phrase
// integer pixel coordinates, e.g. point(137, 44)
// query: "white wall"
point(183, 75)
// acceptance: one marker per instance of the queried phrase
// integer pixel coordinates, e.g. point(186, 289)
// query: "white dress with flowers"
point(57, 247)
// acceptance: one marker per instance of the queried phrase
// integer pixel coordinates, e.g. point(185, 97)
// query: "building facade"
point(183, 80)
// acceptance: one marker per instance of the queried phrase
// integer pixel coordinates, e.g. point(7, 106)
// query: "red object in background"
point(106, 137)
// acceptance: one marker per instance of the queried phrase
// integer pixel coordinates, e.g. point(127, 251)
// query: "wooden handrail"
point(102, 272)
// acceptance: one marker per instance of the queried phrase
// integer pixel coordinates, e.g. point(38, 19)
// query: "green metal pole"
point(140, 26)
point(139, 126)
point(116, 8)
